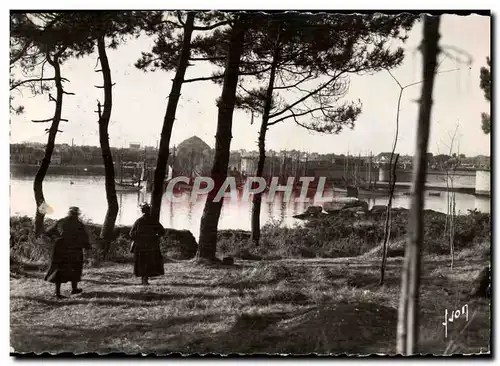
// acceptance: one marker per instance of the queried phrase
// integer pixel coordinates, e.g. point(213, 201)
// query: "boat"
point(132, 185)
point(127, 187)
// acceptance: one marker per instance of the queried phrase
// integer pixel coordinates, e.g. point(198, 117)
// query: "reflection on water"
point(90, 196)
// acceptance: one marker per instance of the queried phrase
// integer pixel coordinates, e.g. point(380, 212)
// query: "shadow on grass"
point(144, 296)
point(105, 298)
point(244, 284)
point(69, 301)
point(147, 336)
point(372, 280)
point(109, 283)
point(356, 327)
point(187, 284)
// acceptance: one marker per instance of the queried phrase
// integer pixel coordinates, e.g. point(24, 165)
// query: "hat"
point(145, 207)
point(73, 210)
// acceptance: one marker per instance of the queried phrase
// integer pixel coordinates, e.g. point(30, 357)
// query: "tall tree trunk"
point(408, 324)
point(257, 198)
point(207, 245)
point(52, 132)
point(168, 121)
point(387, 225)
point(109, 171)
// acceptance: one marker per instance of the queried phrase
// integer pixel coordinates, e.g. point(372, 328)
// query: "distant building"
point(249, 164)
point(193, 157)
point(234, 162)
point(56, 159)
point(313, 156)
point(383, 158)
point(134, 146)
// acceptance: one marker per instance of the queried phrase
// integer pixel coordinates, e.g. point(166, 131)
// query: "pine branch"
point(16, 85)
point(210, 27)
point(295, 115)
point(314, 92)
point(206, 58)
point(221, 76)
point(293, 85)
point(42, 120)
point(178, 13)
point(21, 53)
point(204, 78)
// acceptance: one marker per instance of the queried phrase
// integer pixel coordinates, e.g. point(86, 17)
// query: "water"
point(89, 194)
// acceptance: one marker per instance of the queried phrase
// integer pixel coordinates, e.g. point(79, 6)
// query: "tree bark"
point(168, 121)
point(408, 324)
point(257, 198)
point(207, 245)
point(106, 234)
point(52, 132)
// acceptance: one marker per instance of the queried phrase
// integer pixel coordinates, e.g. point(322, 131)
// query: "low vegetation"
point(342, 235)
point(282, 299)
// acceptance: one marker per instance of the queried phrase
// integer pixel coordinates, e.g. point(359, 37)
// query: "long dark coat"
point(146, 234)
point(70, 238)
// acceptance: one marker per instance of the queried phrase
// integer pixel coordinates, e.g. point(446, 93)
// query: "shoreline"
point(69, 169)
point(380, 188)
point(329, 236)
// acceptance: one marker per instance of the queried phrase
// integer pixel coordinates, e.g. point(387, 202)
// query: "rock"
point(182, 242)
point(378, 209)
point(363, 206)
point(354, 210)
point(352, 191)
point(342, 203)
point(311, 212)
point(314, 210)
point(238, 235)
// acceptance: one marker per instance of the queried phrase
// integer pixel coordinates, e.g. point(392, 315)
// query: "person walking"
point(66, 265)
point(146, 233)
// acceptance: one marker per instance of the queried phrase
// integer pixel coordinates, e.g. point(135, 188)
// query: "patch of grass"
point(345, 235)
point(480, 251)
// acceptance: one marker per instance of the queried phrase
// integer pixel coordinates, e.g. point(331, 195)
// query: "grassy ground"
point(287, 306)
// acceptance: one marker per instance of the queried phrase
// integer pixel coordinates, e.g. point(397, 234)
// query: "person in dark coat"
point(70, 238)
point(146, 233)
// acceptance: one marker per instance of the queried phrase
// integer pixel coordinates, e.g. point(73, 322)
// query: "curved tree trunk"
point(207, 245)
point(408, 317)
point(52, 131)
point(392, 182)
point(257, 198)
point(168, 121)
point(388, 217)
point(109, 170)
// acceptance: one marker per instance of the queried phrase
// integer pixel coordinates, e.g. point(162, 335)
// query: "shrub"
point(339, 235)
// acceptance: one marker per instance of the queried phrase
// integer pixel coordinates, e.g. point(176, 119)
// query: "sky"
point(140, 99)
